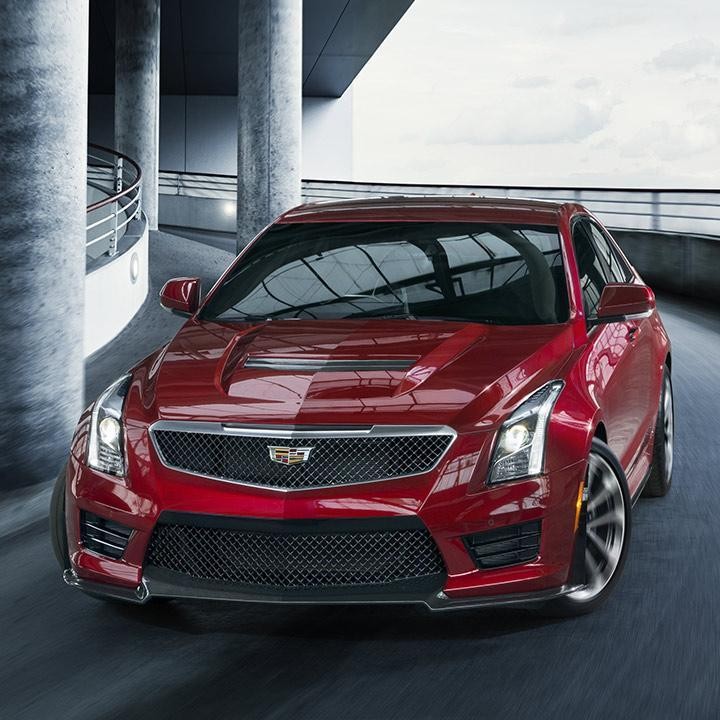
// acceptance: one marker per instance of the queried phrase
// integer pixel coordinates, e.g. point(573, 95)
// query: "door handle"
point(632, 332)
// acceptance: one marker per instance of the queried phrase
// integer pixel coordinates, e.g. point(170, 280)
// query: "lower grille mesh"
point(295, 560)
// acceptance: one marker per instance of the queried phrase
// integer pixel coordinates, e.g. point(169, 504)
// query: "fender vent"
point(512, 545)
point(102, 536)
point(289, 364)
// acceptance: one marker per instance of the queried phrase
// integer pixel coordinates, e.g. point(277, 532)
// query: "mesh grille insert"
point(331, 460)
point(295, 560)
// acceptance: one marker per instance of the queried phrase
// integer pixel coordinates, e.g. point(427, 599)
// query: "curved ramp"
point(650, 652)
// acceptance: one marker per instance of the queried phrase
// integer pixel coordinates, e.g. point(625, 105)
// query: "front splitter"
point(151, 588)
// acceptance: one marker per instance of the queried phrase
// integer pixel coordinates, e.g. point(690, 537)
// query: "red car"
point(450, 401)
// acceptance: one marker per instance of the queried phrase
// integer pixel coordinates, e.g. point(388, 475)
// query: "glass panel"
point(493, 273)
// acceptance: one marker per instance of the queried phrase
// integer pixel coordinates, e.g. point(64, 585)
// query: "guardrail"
point(117, 180)
point(655, 209)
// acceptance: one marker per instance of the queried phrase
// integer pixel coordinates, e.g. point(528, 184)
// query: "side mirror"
point(181, 296)
point(620, 300)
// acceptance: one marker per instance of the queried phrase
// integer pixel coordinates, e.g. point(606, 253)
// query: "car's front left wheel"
point(607, 533)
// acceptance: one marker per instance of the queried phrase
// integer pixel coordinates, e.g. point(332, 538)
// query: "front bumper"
point(449, 503)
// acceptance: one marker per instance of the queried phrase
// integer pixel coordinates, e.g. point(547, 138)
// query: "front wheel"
point(607, 533)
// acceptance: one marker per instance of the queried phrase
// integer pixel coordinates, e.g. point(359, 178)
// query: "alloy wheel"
point(605, 528)
point(668, 426)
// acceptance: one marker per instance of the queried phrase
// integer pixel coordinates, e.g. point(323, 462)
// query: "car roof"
point(435, 208)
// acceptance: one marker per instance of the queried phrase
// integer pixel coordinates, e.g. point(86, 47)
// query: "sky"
point(562, 92)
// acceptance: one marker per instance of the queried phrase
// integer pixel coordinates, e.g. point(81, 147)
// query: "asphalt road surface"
point(650, 652)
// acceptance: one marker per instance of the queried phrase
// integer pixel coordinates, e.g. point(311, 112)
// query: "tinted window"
point(494, 273)
point(616, 269)
point(594, 273)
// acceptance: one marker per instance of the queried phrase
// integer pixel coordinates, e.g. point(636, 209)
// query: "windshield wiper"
point(389, 316)
point(241, 318)
point(457, 318)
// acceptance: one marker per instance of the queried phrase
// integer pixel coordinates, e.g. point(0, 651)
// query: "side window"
point(593, 272)
point(616, 269)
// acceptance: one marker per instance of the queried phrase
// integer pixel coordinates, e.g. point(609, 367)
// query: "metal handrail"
point(124, 195)
point(681, 210)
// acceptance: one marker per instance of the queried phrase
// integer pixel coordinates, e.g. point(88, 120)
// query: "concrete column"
point(137, 92)
point(43, 146)
point(269, 112)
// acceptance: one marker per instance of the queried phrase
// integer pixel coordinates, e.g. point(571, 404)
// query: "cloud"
point(517, 122)
point(586, 83)
point(671, 142)
point(595, 18)
point(532, 82)
point(688, 55)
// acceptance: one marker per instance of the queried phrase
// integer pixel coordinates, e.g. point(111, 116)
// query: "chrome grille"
point(332, 460)
point(295, 555)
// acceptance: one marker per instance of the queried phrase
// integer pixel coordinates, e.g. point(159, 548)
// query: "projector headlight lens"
point(514, 438)
point(105, 446)
point(520, 447)
point(109, 429)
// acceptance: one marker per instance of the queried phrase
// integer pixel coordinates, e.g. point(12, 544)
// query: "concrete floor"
point(651, 652)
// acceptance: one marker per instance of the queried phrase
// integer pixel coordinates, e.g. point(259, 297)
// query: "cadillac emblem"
point(289, 455)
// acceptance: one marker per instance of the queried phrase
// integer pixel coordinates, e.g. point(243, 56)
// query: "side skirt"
point(641, 487)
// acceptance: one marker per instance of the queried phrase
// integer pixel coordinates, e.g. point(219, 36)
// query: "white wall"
point(199, 134)
point(113, 294)
point(327, 138)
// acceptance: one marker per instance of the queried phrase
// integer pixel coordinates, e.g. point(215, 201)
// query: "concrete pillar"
point(43, 146)
point(137, 92)
point(269, 112)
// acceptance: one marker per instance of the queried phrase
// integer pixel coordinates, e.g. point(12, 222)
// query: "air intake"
point(512, 545)
point(289, 364)
point(102, 536)
point(296, 555)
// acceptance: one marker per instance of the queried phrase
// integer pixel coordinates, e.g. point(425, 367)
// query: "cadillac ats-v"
point(448, 401)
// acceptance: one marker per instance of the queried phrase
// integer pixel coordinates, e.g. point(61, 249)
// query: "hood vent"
point(289, 364)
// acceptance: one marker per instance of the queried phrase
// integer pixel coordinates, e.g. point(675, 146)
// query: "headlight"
point(520, 447)
point(105, 447)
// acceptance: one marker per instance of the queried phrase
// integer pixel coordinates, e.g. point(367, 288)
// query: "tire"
point(58, 530)
point(660, 477)
point(608, 524)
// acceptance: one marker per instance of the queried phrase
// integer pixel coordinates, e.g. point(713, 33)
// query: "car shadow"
point(333, 622)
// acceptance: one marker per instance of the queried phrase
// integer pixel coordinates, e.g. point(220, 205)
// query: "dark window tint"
point(593, 272)
point(615, 267)
point(494, 273)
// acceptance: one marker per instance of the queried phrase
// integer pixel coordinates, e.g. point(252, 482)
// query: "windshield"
point(473, 272)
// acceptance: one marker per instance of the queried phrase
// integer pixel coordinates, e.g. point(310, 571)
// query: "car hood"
point(421, 371)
